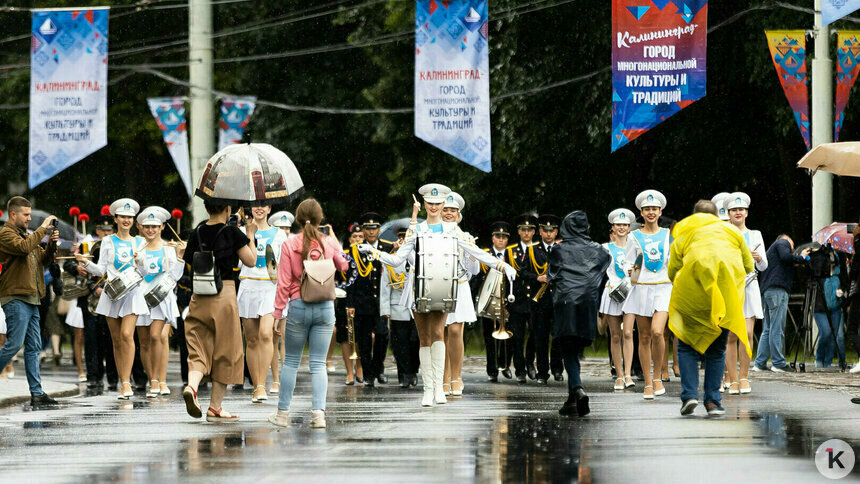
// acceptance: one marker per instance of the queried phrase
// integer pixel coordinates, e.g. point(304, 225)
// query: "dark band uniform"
point(525, 288)
point(498, 352)
point(542, 310)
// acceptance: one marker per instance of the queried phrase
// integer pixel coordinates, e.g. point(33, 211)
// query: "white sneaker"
point(317, 419)
point(756, 368)
point(855, 369)
point(776, 370)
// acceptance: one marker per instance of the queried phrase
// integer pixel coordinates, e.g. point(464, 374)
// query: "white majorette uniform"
point(256, 295)
point(464, 309)
point(117, 256)
point(2, 322)
point(652, 291)
point(75, 317)
point(615, 272)
point(755, 243)
point(722, 211)
point(151, 263)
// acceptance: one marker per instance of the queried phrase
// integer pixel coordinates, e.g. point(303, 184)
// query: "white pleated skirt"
point(647, 299)
point(609, 306)
point(256, 298)
point(752, 301)
point(131, 303)
point(2, 321)
point(166, 311)
point(75, 316)
point(464, 309)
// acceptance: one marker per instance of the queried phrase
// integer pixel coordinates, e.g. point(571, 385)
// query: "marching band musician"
point(525, 289)
point(542, 311)
point(341, 325)
point(738, 204)
point(155, 258)
point(496, 360)
point(116, 256)
point(362, 303)
point(431, 324)
point(284, 221)
point(722, 213)
point(404, 334)
point(649, 296)
point(620, 220)
point(256, 300)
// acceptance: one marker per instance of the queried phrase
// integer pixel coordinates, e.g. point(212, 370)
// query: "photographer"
point(775, 285)
point(22, 287)
point(826, 270)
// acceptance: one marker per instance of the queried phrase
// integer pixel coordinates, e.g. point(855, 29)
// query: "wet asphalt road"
point(496, 432)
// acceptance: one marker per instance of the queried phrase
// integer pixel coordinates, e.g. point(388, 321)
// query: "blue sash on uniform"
point(652, 249)
point(123, 252)
point(154, 260)
point(617, 254)
point(747, 238)
point(264, 238)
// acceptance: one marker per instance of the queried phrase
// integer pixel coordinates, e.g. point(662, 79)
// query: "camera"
point(820, 261)
point(233, 220)
point(325, 229)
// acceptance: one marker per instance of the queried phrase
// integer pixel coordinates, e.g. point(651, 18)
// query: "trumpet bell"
point(502, 334)
point(271, 264)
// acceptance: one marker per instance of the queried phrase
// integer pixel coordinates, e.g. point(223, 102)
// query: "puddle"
point(47, 424)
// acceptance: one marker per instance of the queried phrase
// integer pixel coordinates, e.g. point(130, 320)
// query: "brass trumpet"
point(350, 331)
point(503, 333)
point(540, 292)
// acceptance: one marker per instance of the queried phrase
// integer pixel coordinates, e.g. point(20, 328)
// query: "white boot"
point(437, 355)
point(426, 375)
point(856, 368)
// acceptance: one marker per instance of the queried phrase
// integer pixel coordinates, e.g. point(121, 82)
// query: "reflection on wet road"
point(495, 433)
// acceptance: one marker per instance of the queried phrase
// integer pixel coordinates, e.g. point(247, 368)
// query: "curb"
point(14, 400)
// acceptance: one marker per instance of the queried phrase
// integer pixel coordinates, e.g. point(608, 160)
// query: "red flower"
point(176, 213)
point(74, 212)
point(83, 217)
point(105, 209)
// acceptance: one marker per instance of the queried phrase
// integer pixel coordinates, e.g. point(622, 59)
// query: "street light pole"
point(201, 115)
point(822, 121)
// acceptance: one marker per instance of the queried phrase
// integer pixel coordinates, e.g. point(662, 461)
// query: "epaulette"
point(487, 250)
point(512, 246)
point(533, 244)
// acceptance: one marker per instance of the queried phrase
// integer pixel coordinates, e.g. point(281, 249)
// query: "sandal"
point(125, 391)
point(659, 391)
point(276, 388)
point(154, 390)
point(162, 389)
point(459, 391)
point(220, 415)
point(619, 386)
point(734, 391)
point(192, 405)
point(646, 395)
point(446, 388)
point(628, 382)
point(259, 394)
point(748, 388)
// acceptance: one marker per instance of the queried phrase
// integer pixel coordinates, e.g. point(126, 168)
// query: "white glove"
point(510, 272)
point(839, 292)
point(365, 248)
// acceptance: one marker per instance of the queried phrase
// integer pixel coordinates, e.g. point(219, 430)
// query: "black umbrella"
point(67, 232)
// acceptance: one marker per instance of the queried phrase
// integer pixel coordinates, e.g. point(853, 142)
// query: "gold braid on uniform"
point(363, 270)
point(512, 258)
point(540, 269)
point(396, 281)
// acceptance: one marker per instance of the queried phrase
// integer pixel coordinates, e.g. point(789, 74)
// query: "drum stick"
point(174, 233)
point(415, 199)
point(67, 257)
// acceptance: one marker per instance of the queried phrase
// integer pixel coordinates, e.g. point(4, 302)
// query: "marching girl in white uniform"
point(431, 325)
point(612, 310)
point(116, 256)
point(737, 205)
point(153, 328)
point(464, 310)
point(256, 300)
point(722, 213)
point(648, 252)
point(282, 220)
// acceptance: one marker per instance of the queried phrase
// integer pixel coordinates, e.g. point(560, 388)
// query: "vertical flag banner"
point(659, 50)
point(833, 10)
point(68, 89)
point(788, 50)
point(169, 114)
point(235, 114)
point(847, 68)
point(452, 78)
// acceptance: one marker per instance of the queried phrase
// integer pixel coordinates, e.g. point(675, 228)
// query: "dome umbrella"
point(250, 174)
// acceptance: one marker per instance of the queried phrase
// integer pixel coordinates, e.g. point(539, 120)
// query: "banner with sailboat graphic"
point(452, 78)
point(235, 115)
point(169, 114)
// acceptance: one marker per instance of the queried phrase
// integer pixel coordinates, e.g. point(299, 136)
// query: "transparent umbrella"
point(250, 174)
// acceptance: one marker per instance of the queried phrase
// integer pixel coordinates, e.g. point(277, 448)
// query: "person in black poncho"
point(576, 269)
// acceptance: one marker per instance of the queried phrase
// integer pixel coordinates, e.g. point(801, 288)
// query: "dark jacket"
point(363, 294)
point(23, 261)
point(780, 267)
point(538, 266)
point(576, 268)
point(525, 285)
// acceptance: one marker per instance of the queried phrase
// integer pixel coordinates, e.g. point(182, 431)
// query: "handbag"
point(317, 283)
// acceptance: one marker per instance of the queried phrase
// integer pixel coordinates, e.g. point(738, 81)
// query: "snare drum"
point(619, 293)
point(124, 283)
point(158, 289)
point(489, 298)
point(73, 286)
point(436, 264)
point(750, 278)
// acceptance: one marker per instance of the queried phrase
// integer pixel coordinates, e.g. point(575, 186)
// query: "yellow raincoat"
point(708, 265)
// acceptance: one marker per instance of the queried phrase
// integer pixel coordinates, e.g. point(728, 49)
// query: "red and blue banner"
point(788, 51)
point(169, 115)
point(235, 115)
point(659, 50)
point(452, 78)
point(847, 69)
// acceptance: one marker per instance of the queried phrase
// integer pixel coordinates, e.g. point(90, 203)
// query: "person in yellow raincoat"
point(708, 266)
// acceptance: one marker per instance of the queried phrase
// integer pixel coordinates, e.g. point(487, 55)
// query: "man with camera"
point(22, 286)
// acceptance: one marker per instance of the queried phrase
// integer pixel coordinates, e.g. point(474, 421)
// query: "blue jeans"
point(824, 352)
point(715, 360)
point(312, 322)
point(773, 333)
point(22, 329)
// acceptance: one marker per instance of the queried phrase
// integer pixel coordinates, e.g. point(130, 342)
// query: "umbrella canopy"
point(67, 232)
point(837, 235)
point(388, 230)
point(837, 158)
point(248, 175)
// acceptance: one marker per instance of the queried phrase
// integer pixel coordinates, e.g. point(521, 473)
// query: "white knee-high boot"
point(424, 357)
point(437, 354)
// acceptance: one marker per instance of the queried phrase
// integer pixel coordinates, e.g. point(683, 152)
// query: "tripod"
point(803, 337)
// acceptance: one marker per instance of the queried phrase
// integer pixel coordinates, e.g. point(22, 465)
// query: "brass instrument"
point(502, 333)
point(350, 331)
point(540, 292)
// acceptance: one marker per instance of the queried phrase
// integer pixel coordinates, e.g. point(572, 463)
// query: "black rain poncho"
point(576, 268)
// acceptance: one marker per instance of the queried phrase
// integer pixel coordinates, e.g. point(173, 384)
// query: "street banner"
point(788, 51)
point(452, 78)
point(169, 114)
point(833, 10)
point(68, 89)
point(659, 50)
point(847, 68)
point(235, 114)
